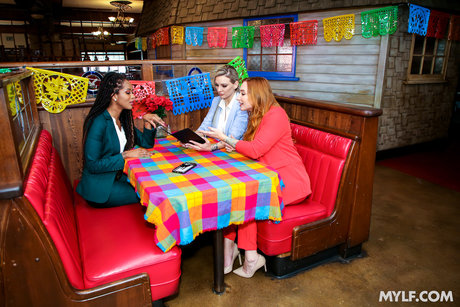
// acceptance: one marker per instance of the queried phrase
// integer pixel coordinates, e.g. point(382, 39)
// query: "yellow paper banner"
point(15, 96)
point(338, 27)
point(177, 35)
point(55, 90)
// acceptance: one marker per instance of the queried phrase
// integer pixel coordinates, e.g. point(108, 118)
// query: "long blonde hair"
point(261, 96)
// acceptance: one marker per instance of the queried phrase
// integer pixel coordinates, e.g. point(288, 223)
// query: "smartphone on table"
point(184, 167)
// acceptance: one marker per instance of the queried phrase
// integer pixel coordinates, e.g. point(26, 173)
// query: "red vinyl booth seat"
point(96, 246)
point(324, 155)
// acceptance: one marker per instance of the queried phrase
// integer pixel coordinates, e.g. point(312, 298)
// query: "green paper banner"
point(379, 21)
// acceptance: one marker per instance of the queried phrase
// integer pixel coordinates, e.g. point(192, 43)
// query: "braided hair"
point(110, 85)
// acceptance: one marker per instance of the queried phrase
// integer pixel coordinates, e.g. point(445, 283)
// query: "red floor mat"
point(440, 166)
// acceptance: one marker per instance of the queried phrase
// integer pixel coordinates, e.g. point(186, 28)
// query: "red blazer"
point(273, 146)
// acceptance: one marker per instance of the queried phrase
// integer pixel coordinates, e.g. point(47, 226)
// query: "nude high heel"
point(236, 253)
point(258, 264)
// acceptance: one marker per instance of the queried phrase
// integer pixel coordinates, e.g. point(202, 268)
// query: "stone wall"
point(414, 113)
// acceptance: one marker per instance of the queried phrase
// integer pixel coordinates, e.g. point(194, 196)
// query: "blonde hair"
point(227, 71)
point(261, 96)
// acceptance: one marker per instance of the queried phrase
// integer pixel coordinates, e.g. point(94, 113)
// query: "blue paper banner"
point(418, 19)
point(194, 36)
point(190, 93)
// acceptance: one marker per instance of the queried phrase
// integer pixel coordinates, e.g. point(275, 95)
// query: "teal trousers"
point(122, 193)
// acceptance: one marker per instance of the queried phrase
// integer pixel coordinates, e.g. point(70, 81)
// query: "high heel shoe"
point(258, 264)
point(236, 252)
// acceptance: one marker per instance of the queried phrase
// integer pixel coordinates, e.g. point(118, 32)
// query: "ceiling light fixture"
point(100, 33)
point(121, 20)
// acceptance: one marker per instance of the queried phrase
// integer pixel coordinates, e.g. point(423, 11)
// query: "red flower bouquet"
point(152, 104)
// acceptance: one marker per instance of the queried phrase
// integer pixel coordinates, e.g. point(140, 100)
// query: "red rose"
point(152, 107)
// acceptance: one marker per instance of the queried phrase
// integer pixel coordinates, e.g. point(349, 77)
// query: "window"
point(273, 63)
point(428, 59)
point(163, 71)
point(101, 56)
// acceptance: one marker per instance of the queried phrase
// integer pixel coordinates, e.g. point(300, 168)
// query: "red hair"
point(261, 97)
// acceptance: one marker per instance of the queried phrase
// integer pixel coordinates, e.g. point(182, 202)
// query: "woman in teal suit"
point(109, 136)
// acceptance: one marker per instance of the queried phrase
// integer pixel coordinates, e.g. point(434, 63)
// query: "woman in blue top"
point(225, 113)
point(109, 136)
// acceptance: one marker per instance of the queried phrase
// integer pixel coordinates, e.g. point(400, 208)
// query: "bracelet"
point(214, 147)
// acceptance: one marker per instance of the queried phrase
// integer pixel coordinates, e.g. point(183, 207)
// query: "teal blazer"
point(103, 158)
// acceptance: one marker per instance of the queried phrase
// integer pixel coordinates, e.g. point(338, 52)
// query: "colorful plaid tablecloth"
point(223, 189)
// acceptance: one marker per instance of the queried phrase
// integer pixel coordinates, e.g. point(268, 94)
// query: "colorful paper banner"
point(142, 89)
point(418, 19)
point(243, 37)
point(338, 27)
point(272, 35)
point(304, 32)
point(138, 43)
point(162, 36)
point(194, 36)
point(55, 90)
point(177, 35)
point(379, 21)
point(240, 66)
point(437, 24)
point(14, 96)
point(190, 93)
point(217, 37)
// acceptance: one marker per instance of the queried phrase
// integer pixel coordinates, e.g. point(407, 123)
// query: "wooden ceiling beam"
point(114, 30)
point(9, 12)
point(94, 15)
point(67, 30)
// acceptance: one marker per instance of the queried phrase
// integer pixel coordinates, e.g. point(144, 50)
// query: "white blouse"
point(225, 111)
point(121, 135)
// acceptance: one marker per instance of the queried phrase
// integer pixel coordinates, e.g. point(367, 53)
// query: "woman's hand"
point(217, 134)
point(187, 145)
point(136, 153)
point(229, 148)
point(198, 146)
point(214, 133)
point(151, 119)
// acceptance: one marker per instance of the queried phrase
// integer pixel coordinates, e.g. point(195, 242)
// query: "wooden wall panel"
point(326, 118)
point(345, 71)
point(203, 51)
point(67, 131)
point(349, 71)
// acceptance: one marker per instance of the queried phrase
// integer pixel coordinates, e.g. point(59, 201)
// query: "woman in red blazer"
point(267, 139)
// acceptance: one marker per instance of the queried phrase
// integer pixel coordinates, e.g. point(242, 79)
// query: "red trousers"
point(247, 235)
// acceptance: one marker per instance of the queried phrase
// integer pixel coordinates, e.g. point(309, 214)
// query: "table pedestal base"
point(219, 286)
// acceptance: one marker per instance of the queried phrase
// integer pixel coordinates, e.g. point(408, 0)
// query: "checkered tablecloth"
point(223, 189)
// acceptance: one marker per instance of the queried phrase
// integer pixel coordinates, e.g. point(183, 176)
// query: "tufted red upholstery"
point(324, 155)
point(48, 190)
point(96, 246)
point(118, 242)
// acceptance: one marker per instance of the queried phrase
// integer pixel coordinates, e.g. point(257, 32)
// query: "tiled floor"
point(414, 244)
